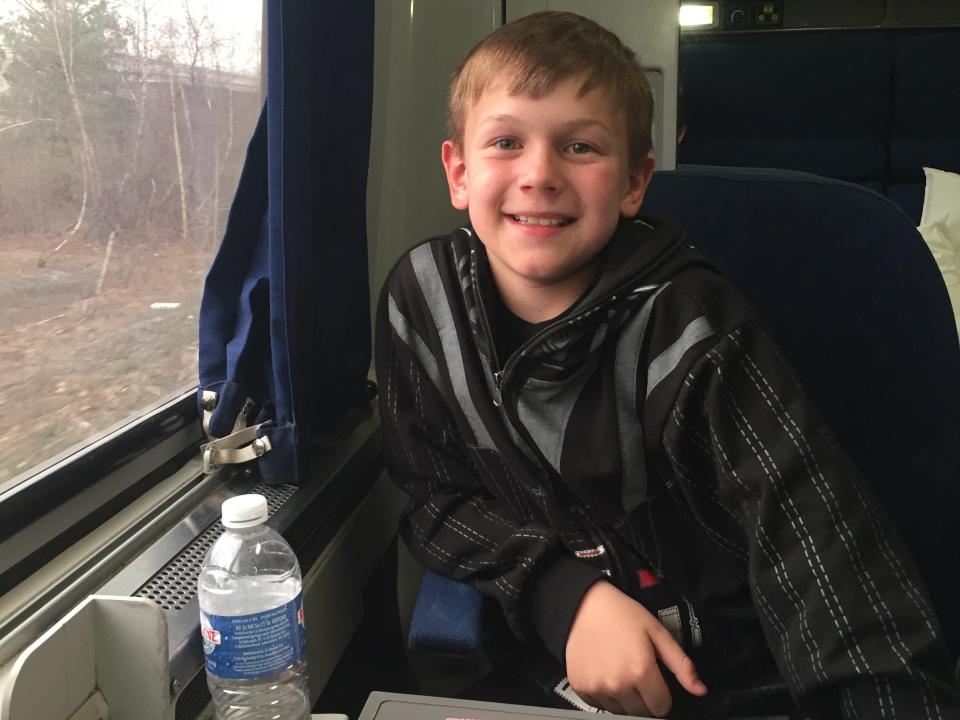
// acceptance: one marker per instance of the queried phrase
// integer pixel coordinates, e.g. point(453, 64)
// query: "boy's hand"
point(612, 652)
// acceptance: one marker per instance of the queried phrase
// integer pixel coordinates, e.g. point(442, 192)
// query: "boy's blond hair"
point(534, 54)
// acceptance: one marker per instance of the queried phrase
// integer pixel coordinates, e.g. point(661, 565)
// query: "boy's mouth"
point(545, 221)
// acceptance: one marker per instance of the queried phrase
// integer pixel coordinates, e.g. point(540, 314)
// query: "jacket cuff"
point(556, 594)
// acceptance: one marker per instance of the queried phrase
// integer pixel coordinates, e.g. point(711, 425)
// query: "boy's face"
point(544, 182)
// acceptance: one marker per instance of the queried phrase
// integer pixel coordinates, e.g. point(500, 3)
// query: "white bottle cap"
point(244, 511)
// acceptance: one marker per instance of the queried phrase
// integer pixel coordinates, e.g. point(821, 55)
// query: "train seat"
point(871, 108)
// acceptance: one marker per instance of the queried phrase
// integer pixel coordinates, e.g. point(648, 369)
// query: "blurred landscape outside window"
point(123, 128)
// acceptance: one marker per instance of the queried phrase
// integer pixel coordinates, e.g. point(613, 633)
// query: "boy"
point(596, 432)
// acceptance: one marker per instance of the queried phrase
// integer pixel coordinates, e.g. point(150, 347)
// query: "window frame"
point(49, 507)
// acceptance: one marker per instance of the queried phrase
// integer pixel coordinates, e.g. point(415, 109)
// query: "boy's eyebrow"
point(580, 123)
point(569, 126)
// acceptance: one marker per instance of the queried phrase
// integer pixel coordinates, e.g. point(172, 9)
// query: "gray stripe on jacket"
point(428, 275)
point(411, 338)
point(633, 464)
point(667, 361)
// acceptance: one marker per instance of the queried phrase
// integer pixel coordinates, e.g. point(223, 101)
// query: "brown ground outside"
point(72, 365)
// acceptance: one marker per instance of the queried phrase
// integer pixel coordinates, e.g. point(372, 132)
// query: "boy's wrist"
point(555, 595)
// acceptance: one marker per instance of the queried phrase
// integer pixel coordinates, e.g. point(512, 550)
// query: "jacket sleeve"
point(453, 522)
point(841, 603)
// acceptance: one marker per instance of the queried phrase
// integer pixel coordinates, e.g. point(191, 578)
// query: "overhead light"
point(701, 16)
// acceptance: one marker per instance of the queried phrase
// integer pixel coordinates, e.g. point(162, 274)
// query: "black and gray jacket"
point(652, 435)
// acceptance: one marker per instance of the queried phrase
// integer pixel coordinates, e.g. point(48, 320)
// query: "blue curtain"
point(284, 320)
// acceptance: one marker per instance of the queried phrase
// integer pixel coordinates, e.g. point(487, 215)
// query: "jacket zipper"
point(501, 375)
point(497, 374)
point(497, 385)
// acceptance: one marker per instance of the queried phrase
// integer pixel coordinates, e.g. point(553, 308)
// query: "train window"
point(123, 126)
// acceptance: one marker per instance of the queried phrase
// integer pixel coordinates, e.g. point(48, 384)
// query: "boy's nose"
point(541, 170)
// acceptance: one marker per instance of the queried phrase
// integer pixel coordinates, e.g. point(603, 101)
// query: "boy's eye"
point(579, 148)
point(507, 144)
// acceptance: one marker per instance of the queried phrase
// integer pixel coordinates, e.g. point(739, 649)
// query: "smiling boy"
point(546, 180)
point(595, 430)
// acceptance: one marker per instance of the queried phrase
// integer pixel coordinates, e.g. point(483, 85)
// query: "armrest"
point(447, 618)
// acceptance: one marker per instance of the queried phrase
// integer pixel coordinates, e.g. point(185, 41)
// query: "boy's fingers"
point(678, 662)
point(614, 706)
point(632, 703)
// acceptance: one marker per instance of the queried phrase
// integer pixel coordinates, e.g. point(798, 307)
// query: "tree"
point(63, 67)
point(117, 119)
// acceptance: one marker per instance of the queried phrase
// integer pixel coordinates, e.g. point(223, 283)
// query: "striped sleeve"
point(840, 601)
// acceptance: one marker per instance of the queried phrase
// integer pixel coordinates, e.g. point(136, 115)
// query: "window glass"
point(123, 126)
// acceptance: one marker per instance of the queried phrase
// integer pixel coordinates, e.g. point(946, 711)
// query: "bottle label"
point(249, 647)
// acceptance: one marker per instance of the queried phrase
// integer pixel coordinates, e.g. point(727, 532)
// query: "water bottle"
point(251, 619)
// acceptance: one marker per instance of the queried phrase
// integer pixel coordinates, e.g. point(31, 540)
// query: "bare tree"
point(59, 55)
point(141, 50)
point(220, 159)
point(181, 181)
point(196, 28)
point(172, 45)
point(60, 16)
point(222, 149)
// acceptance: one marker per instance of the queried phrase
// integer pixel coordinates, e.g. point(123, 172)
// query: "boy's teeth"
point(539, 221)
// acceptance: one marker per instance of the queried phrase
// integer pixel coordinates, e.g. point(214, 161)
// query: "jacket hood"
point(643, 250)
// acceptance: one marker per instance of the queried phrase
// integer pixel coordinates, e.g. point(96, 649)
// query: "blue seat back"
point(872, 107)
point(816, 102)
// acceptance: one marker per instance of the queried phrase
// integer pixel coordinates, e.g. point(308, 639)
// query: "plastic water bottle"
point(251, 619)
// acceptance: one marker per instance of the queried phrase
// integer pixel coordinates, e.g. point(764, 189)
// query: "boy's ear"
point(637, 184)
point(456, 171)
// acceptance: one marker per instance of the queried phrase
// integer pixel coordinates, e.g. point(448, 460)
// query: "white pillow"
point(941, 197)
point(946, 251)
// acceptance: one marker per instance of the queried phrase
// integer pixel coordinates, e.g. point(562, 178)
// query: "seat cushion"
point(946, 251)
point(447, 618)
point(941, 195)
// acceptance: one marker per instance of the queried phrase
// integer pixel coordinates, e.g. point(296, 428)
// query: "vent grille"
point(176, 583)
